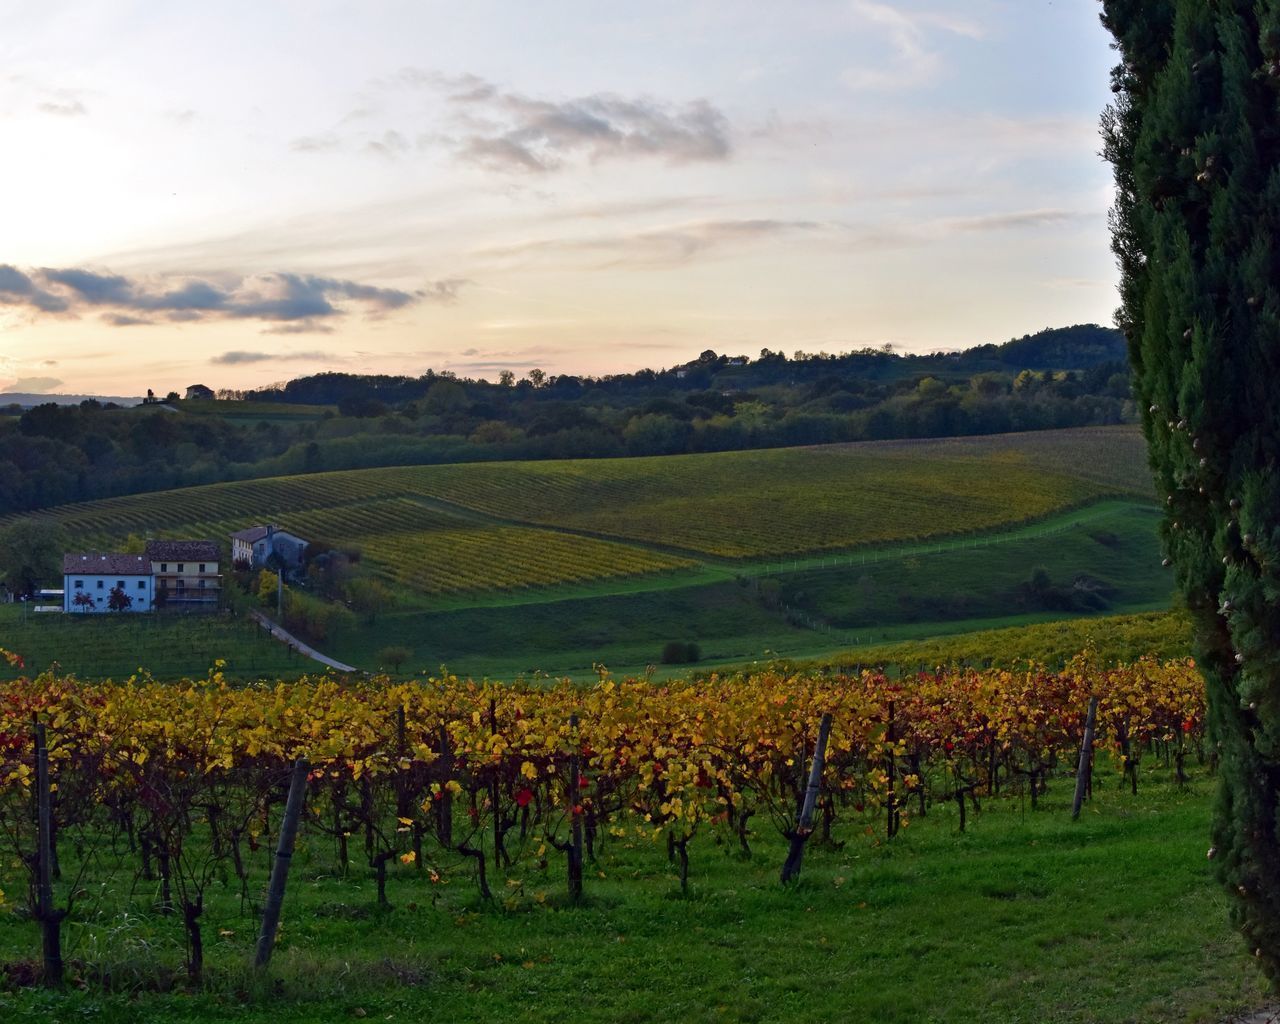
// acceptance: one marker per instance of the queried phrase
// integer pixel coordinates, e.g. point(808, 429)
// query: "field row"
point(503, 557)
point(732, 504)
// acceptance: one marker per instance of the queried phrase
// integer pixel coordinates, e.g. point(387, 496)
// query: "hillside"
point(502, 525)
point(513, 567)
point(54, 453)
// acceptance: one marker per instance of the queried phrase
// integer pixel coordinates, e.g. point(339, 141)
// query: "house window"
point(99, 587)
point(179, 567)
point(202, 566)
point(79, 584)
point(120, 584)
point(201, 584)
point(142, 584)
point(182, 584)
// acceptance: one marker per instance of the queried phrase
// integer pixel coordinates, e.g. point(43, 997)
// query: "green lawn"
point(1026, 917)
point(117, 646)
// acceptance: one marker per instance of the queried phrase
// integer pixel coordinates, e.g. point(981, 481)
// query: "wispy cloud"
point(315, 143)
point(661, 246)
point(913, 62)
point(273, 297)
point(1013, 220)
point(299, 327)
point(63, 108)
point(239, 357)
point(125, 320)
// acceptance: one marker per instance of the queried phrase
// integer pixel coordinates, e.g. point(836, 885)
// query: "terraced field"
point(731, 505)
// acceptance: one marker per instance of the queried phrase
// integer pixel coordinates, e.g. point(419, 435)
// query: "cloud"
point(510, 132)
point(390, 144)
point(911, 233)
point(63, 108)
point(1016, 219)
point(125, 320)
point(18, 289)
point(913, 63)
point(674, 244)
point(237, 358)
point(35, 385)
point(300, 327)
point(315, 143)
point(273, 297)
point(444, 292)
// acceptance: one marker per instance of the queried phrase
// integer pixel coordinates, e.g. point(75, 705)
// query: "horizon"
point(246, 195)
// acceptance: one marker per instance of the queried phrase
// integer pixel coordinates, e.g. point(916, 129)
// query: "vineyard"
point(180, 787)
point(472, 527)
point(1113, 638)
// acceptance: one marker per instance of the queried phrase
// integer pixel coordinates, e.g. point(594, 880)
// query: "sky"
point(239, 193)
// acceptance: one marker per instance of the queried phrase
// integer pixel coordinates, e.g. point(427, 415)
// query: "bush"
point(680, 652)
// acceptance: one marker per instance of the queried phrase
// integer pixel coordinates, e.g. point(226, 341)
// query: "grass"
point(109, 646)
point(1026, 917)
point(1114, 639)
point(914, 593)
point(845, 612)
point(260, 412)
point(499, 569)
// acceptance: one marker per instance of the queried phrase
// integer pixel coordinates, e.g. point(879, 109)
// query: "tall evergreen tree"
point(1194, 136)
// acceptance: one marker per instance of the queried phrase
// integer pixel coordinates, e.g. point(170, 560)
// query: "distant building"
point(257, 544)
point(186, 573)
point(201, 393)
point(95, 576)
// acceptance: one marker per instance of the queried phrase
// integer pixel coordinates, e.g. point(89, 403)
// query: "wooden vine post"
point(804, 827)
point(575, 816)
point(49, 916)
point(1086, 758)
point(280, 869)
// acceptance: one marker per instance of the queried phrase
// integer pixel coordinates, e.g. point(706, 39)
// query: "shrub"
point(680, 652)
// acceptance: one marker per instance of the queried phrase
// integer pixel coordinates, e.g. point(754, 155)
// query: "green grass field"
point(116, 647)
point(895, 595)
point(1026, 918)
point(254, 412)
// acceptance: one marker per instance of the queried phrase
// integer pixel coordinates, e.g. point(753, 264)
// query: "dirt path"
point(285, 637)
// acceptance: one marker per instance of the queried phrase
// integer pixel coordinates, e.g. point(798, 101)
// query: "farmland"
point(388, 917)
point(733, 505)
point(1112, 638)
point(95, 647)
point(753, 555)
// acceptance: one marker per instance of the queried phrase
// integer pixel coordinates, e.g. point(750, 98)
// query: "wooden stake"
point(280, 870)
point(575, 819)
point(1086, 758)
point(50, 918)
point(804, 827)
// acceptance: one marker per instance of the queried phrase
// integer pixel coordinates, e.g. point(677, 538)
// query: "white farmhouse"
point(257, 544)
point(95, 576)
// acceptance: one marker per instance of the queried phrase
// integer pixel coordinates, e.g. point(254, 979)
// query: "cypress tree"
point(1194, 137)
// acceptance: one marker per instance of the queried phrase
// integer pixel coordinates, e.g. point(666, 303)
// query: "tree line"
point(51, 454)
